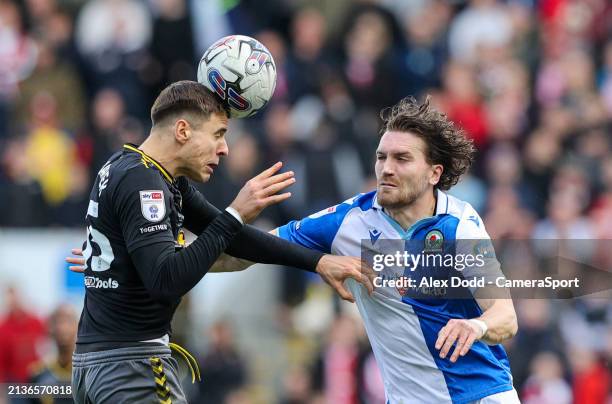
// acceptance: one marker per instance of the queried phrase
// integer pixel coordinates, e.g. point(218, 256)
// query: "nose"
point(387, 168)
point(222, 150)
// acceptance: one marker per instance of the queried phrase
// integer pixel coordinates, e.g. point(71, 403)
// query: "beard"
point(404, 195)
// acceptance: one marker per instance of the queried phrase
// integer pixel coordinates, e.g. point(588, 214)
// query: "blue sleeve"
point(316, 231)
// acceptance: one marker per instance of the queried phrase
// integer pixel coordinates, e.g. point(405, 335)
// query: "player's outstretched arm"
point(250, 243)
point(227, 263)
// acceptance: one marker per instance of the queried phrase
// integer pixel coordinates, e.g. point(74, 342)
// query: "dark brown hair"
point(446, 143)
point(185, 97)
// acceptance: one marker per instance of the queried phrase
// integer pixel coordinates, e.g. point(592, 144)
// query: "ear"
point(436, 173)
point(182, 131)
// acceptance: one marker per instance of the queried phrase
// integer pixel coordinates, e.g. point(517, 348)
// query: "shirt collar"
point(150, 160)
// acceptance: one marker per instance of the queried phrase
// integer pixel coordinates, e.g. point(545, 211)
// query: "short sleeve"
point(475, 245)
point(143, 204)
point(316, 231)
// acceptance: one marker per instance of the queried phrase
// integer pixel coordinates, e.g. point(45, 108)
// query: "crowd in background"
point(530, 82)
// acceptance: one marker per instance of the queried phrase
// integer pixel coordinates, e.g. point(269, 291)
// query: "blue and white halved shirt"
point(403, 330)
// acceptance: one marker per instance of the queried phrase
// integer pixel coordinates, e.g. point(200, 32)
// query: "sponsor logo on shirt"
point(323, 212)
point(154, 228)
point(152, 205)
point(374, 235)
point(97, 283)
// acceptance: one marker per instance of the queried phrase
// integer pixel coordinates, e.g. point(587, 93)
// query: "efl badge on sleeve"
point(152, 205)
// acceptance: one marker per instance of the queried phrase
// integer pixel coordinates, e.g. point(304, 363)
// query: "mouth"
point(386, 185)
point(211, 167)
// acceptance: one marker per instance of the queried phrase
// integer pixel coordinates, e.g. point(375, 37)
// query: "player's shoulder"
point(470, 224)
point(130, 171)
point(362, 201)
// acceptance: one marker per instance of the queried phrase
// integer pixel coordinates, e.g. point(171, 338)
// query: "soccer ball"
point(241, 71)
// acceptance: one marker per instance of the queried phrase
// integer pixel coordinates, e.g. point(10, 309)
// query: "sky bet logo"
point(97, 283)
point(151, 196)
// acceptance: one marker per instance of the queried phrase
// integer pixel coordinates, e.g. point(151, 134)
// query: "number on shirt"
point(99, 249)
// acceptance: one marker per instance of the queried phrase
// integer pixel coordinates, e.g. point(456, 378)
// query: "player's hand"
point(261, 191)
point(461, 332)
point(78, 263)
point(335, 270)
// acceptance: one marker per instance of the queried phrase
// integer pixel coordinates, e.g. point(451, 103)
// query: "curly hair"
point(446, 143)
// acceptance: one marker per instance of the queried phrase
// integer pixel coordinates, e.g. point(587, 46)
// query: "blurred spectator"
point(308, 63)
point(370, 64)
point(536, 334)
point(112, 37)
point(110, 128)
point(605, 77)
point(505, 216)
point(62, 326)
point(426, 50)
point(592, 380)
point(297, 387)
point(21, 336)
point(59, 79)
point(503, 168)
point(483, 24)
point(21, 193)
point(18, 55)
point(223, 369)
point(546, 384)
point(471, 189)
point(50, 150)
point(337, 369)
point(170, 63)
point(120, 25)
point(462, 101)
point(601, 212)
point(565, 221)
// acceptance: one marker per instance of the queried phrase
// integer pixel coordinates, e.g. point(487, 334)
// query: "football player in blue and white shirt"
point(428, 350)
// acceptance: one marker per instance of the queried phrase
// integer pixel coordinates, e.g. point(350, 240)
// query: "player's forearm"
point(500, 318)
point(168, 275)
point(227, 263)
point(250, 243)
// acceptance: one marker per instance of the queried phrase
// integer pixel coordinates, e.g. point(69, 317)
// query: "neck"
point(422, 207)
point(157, 148)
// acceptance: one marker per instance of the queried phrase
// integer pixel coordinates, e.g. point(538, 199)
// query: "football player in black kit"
point(136, 265)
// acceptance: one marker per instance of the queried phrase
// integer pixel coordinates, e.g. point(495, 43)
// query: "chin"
point(204, 177)
point(198, 177)
point(389, 199)
point(385, 200)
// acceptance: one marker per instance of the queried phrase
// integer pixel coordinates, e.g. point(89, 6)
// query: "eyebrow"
point(401, 153)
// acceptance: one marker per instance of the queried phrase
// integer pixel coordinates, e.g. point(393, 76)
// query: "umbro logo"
point(374, 235)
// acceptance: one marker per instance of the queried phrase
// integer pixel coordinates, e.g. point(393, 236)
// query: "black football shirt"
point(133, 203)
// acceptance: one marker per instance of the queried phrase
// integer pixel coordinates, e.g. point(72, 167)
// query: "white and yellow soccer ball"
point(241, 71)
